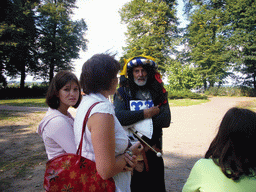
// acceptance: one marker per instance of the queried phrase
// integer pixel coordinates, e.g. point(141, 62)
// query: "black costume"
point(153, 90)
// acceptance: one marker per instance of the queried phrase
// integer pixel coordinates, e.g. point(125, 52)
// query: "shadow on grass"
point(25, 109)
point(23, 158)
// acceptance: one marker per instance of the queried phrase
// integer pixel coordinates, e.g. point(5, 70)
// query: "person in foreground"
point(105, 141)
point(56, 128)
point(229, 164)
point(141, 103)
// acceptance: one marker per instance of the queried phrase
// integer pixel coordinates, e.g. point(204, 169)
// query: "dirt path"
point(185, 141)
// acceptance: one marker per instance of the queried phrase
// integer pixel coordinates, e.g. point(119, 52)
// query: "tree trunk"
point(23, 76)
point(51, 69)
point(52, 64)
point(205, 85)
point(254, 80)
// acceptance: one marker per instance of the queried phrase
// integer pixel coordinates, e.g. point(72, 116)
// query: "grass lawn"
point(41, 102)
point(25, 102)
point(248, 105)
point(172, 102)
point(186, 102)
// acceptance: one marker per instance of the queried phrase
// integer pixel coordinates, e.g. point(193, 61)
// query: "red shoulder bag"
point(72, 172)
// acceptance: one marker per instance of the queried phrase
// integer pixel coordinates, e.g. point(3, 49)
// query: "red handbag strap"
point(79, 150)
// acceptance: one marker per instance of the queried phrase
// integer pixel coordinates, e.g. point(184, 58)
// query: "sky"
point(105, 31)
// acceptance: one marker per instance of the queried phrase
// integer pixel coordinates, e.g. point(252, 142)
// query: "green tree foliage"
point(221, 37)
point(38, 39)
point(60, 38)
point(17, 38)
point(241, 32)
point(182, 77)
point(151, 28)
point(206, 43)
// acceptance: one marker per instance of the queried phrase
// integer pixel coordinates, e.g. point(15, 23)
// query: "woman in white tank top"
point(105, 141)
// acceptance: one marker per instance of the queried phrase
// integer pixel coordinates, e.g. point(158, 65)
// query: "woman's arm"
point(102, 130)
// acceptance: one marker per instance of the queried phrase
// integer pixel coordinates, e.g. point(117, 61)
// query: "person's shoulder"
point(103, 107)
point(55, 123)
point(53, 114)
point(58, 119)
point(121, 90)
point(206, 165)
point(205, 161)
point(122, 93)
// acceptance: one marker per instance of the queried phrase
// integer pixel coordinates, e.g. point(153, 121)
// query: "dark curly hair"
point(59, 81)
point(231, 149)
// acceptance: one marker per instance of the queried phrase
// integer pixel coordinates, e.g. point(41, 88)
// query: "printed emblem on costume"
point(136, 105)
point(145, 126)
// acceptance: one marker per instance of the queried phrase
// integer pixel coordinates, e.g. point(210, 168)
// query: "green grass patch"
point(41, 103)
point(248, 105)
point(25, 102)
point(186, 102)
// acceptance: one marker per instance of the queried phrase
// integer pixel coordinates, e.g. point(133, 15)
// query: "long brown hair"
point(232, 148)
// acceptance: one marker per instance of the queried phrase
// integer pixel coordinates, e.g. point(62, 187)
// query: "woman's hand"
point(136, 148)
point(148, 113)
point(131, 157)
point(131, 162)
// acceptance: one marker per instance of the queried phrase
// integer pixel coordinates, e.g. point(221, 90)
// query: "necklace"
point(146, 95)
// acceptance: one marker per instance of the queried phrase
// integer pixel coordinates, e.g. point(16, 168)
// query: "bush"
point(184, 94)
point(33, 91)
point(231, 91)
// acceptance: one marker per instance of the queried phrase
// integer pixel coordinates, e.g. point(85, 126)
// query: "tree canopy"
point(151, 28)
point(221, 38)
point(60, 38)
point(38, 37)
point(17, 38)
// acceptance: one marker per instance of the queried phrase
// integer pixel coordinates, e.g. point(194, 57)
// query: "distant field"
point(172, 103)
point(41, 102)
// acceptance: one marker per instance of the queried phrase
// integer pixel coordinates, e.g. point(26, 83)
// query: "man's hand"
point(148, 113)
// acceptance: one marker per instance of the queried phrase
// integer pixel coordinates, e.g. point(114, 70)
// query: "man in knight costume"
point(141, 106)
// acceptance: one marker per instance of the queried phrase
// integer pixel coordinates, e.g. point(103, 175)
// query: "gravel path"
point(189, 136)
point(17, 108)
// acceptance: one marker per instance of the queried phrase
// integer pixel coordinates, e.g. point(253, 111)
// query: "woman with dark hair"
point(105, 141)
point(56, 128)
point(229, 164)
